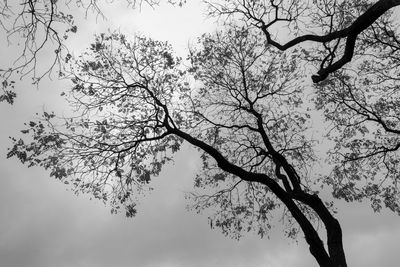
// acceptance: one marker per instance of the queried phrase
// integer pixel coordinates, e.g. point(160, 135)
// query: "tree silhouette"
point(37, 26)
point(241, 103)
point(335, 24)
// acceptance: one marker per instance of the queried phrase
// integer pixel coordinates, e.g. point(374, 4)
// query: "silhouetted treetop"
point(336, 25)
point(40, 28)
point(242, 99)
point(246, 116)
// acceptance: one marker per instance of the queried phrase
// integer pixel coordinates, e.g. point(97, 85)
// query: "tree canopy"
point(243, 99)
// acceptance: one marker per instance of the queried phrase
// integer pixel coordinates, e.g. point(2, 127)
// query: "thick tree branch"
point(312, 238)
point(351, 33)
point(332, 226)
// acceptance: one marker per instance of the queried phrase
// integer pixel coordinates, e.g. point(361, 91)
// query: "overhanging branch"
point(351, 33)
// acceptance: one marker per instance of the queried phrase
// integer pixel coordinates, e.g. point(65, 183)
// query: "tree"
point(365, 117)
point(39, 25)
point(240, 102)
point(335, 24)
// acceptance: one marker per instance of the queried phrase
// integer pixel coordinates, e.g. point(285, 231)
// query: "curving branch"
point(316, 245)
point(290, 15)
point(351, 33)
point(130, 125)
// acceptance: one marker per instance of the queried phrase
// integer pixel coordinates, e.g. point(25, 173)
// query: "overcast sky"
point(43, 224)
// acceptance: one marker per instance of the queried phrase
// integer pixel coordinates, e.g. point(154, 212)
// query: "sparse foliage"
point(246, 117)
point(37, 26)
point(241, 99)
point(336, 25)
point(363, 105)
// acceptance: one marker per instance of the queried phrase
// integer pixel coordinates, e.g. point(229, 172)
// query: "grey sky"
point(42, 224)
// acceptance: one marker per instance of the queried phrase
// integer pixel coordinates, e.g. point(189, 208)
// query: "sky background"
point(43, 224)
